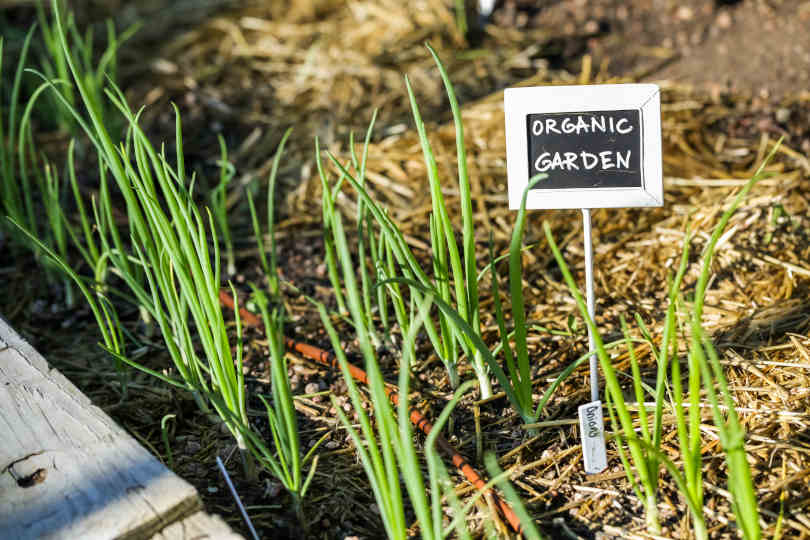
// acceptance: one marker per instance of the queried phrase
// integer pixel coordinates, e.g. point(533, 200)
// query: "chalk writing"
point(585, 150)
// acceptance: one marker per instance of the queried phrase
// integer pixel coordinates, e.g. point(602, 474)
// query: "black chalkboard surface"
point(594, 149)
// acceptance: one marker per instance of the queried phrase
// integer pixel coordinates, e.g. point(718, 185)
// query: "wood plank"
point(96, 480)
point(198, 526)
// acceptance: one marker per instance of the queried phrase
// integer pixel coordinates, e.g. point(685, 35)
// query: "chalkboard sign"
point(600, 146)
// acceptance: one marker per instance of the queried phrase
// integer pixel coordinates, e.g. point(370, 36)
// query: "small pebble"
point(271, 489)
point(38, 307)
point(685, 13)
point(724, 20)
point(302, 369)
point(311, 388)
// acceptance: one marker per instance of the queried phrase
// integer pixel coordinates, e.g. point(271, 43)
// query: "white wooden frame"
point(520, 102)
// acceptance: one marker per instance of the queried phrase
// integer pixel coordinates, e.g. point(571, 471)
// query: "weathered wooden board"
point(197, 527)
point(66, 469)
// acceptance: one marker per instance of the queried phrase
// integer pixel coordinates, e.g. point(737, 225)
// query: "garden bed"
point(250, 73)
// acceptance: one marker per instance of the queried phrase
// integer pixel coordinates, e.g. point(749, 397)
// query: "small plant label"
point(599, 145)
point(593, 437)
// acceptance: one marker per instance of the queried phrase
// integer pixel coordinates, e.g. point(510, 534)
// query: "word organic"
point(584, 123)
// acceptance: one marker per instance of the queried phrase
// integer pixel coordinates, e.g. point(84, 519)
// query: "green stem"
point(146, 318)
point(248, 463)
point(484, 384)
point(201, 403)
point(651, 511)
point(452, 375)
point(701, 533)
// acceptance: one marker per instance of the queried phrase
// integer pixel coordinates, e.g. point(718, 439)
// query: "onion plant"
point(390, 242)
point(169, 268)
point(286, 463)
point(54, 64)
point(334, 236)
point(55, 231)
point(103, 310)
point(16, 188)
point(184, 278)
point(268, 263)
point(519, 379)
point(452, 261)
point(704, 354)
point(218, 197)
point(452, 328)
point(646, 456)
point(170, 239)
point(454, 272)
point(27, 177)
point(388, 452)
point(704, 373)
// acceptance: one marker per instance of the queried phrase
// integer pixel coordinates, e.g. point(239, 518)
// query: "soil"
point(737, 73)
point(752, 47)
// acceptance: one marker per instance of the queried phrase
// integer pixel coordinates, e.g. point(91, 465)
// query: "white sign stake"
point(590, 299)
point(600, 147)
point(594, 452)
